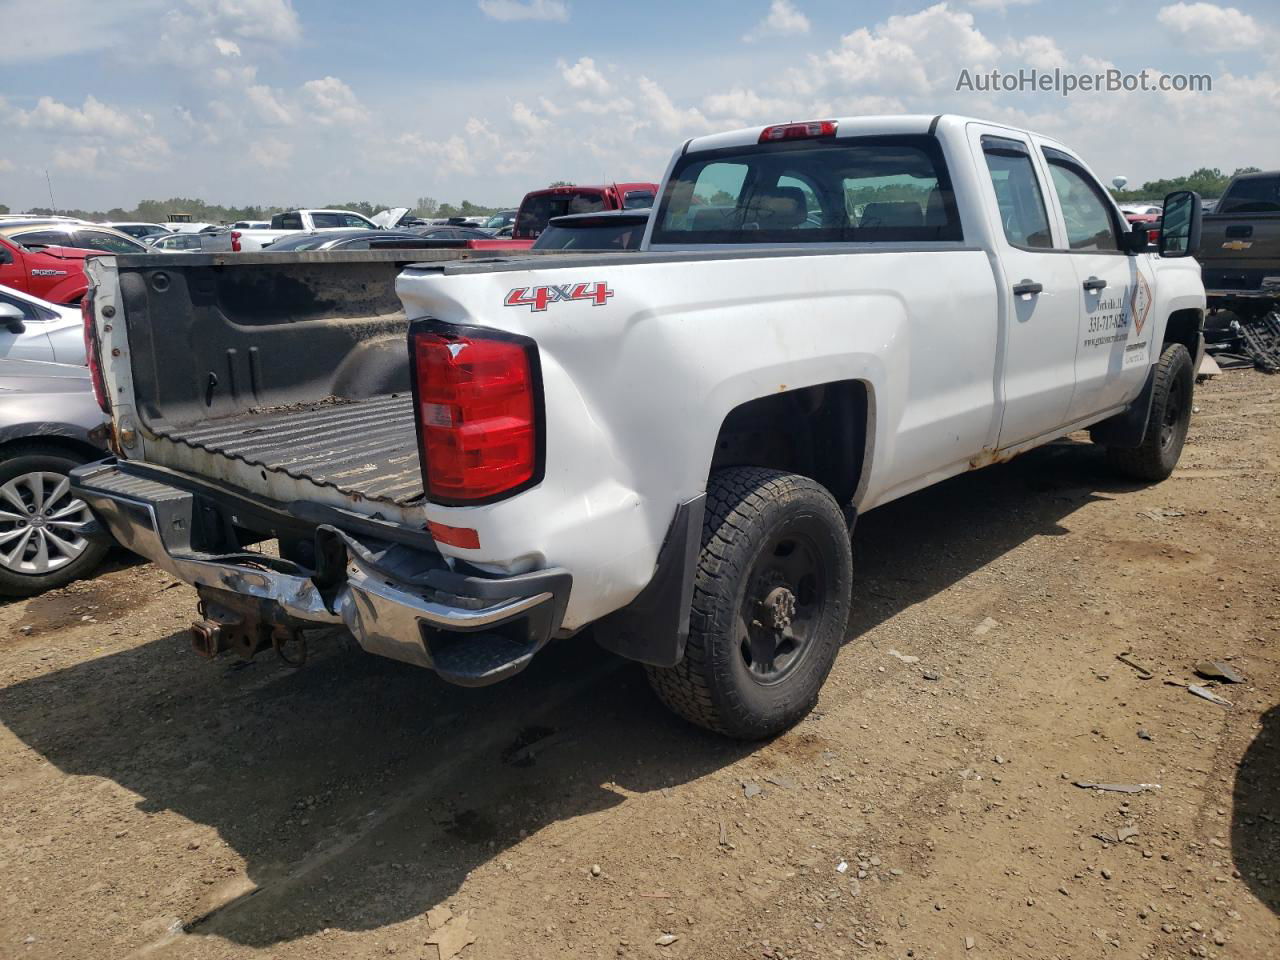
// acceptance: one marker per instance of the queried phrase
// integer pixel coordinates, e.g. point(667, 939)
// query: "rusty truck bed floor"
point(364, 448)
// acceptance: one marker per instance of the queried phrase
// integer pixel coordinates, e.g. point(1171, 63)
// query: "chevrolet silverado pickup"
point(460, 461)
point(1241, 248)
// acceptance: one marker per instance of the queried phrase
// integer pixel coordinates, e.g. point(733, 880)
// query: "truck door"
point(1040, 312)
point(1114, 289)
point(13, 272)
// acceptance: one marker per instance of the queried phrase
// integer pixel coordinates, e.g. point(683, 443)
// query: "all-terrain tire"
point(751, 510)
point(1167, 422)
point(46, 461)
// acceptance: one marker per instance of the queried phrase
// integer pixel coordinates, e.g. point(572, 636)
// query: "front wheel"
point(42, 525)
point(770, 605)
point(1167, 423)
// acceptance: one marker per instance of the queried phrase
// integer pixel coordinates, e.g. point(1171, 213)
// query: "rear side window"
point(286, 221)
point(637, 199)
point(1254, 195)
point(1018, 196)
point(861, 190)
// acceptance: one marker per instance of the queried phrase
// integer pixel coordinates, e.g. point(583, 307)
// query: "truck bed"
point(366, 449)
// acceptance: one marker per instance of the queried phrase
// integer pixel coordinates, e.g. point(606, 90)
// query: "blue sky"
point(268, 101)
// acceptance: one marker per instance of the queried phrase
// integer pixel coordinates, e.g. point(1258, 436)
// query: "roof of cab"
point(868, 126)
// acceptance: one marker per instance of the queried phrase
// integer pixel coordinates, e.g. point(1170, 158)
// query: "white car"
point(35, 329)
point(669, 445)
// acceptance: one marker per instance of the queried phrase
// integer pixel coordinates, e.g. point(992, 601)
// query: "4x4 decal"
point(537, 298)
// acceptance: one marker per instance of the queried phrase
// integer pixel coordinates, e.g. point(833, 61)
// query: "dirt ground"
point(157, 805)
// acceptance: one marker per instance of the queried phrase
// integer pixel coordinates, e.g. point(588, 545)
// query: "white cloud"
point(271, 154)
point(450, 156)
point(267, 106)
point(479, 131)
point(783, 19)
point(93, 118)
point(228, 48)
point(906, 55)
point(1038, 51)
point(583, 75)
point(79, 159)
point(742, 107)
point(1210, 27)
point(527, 119)
point(666, 114)
point(525, 9)
point(1000, 5)
point(330, 101)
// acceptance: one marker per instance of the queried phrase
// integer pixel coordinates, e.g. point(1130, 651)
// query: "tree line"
point(1209, 182)
point(159, 211)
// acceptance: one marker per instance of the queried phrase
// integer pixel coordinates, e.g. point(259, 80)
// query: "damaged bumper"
point(399, 600)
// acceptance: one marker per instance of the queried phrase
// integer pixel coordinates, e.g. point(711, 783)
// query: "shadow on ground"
point(361, 792)
point(1255, 813)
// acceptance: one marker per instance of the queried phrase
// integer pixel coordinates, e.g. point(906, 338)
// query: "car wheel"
point(770, 605)
point(1167, 423)
point(42, 540)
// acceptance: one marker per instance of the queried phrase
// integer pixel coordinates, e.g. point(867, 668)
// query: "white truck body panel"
point(959, 371)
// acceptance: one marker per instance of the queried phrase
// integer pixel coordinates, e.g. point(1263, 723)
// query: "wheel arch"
point(824, 431)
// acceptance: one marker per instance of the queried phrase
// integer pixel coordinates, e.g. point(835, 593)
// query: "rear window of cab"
point(827, 190)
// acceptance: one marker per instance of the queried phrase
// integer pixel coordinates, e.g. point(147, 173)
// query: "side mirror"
point(1180, 225)
point(12, 319)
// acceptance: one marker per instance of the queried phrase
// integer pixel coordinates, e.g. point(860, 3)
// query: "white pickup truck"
point(462, 460)
point(298, 221)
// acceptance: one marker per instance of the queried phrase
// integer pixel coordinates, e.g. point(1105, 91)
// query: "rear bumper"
point(399, 601)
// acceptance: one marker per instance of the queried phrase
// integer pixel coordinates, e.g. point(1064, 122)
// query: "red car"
point(46, 257)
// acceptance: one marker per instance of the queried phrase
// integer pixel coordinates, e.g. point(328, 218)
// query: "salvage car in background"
point(48, 417)
point(46, 257)
point(140, 230)
point(339, 240)
point(35, 329)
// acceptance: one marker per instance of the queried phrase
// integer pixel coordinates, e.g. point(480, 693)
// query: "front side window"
point(45, 238)
point(1018, 196)
point(1090, 227)
point(859, 189)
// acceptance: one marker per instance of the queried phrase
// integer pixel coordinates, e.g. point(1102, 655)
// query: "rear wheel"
point(42, 539)
point(770, 605)
point(1167, 423)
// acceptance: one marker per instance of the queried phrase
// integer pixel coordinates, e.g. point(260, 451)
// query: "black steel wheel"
point(770, 605)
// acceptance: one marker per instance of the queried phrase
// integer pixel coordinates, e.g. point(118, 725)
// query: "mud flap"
point(654, 627)
point(1127, 428)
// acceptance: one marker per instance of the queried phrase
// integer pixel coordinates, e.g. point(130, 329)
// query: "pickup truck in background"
point(461, 460)
point(306, 221)
point(46, 257)
point(1240, 258)
point(539, 206)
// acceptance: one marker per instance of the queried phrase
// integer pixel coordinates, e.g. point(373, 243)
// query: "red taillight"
point(91, 353)
point(799, 131)
point(235, 241)
point(1153, 237)
point(477, 415)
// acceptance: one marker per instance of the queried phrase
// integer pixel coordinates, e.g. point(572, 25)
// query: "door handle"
point(1023, 287)
point(1094, 283)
